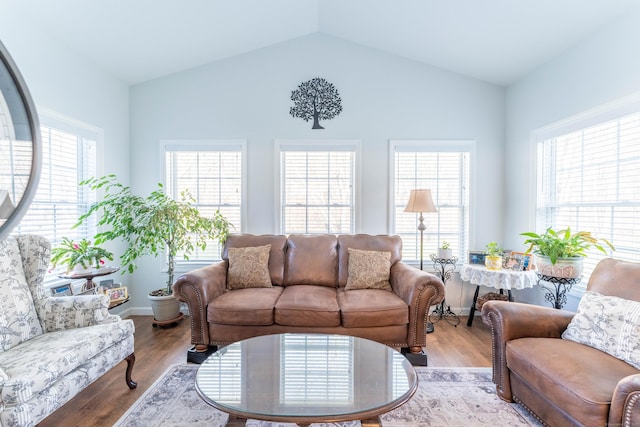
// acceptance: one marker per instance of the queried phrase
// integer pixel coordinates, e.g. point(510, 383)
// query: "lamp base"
point(430, 327)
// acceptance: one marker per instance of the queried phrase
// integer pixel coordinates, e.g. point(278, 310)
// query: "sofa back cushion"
point(18, 319)
point(312, 260)
point(276, 256)
point(616, 278)
point(381, 243)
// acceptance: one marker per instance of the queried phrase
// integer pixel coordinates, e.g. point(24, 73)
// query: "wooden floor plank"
point(157, 348)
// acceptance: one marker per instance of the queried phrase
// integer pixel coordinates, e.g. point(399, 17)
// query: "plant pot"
point(445, 253)
point(165, 307)
point(493, 262)
point(564, 268)
point(78, 269)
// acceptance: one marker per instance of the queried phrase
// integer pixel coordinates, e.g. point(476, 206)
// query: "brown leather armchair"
point(563, 382)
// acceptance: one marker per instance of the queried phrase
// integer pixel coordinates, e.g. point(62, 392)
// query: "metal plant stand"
point(557, 295)
point(444, 268)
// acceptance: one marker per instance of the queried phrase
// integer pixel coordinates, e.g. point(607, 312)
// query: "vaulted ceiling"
point(497, 41)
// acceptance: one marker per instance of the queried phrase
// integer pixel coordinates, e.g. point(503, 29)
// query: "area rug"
point(445, 397)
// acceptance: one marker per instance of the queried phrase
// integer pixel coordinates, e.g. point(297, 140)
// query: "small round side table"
point(444, 267)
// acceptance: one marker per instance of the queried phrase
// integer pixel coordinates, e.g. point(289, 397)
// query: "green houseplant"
point(493, 256)
point(559, 253)
point(152, 224)
point(445, 251)
point(79, 256)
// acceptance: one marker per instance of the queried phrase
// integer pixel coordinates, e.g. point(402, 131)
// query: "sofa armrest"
point(79, 311)
point(198, 288)
point(512, 320)
point(625, 404)
point(420, 290)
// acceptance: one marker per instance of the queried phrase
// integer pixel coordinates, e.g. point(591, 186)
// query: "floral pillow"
point(249, 267)
point(368, 270)
point(609, 324)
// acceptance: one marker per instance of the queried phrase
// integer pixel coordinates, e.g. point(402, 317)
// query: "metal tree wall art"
point(316, 99)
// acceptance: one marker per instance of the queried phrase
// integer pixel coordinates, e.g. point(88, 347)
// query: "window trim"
point(302, 144)
point(435, 145)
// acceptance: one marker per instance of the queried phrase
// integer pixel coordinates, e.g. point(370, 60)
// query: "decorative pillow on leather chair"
point(249, 267)
point(368, 270)
point(609, 324)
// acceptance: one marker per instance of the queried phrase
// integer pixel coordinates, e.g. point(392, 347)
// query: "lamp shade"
point(6, 207)
point(420, 201)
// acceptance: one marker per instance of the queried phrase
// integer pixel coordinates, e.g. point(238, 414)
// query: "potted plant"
point(561, 253)
point(150, 225)
point(445, 251)
point(493, 256)
point(79, 257)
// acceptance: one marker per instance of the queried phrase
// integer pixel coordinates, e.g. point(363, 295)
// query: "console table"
point(503, 279)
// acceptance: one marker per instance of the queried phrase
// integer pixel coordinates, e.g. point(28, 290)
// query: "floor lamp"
point(421, 201)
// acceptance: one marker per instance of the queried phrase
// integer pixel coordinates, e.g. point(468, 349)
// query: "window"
point(69, 156)
point(443, 167)
point(317, 186)
point(212, 172)
point(588, 170)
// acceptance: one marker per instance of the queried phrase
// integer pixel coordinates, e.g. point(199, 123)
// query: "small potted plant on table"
point(445, 251)
point(493, 256)
point(79, 257)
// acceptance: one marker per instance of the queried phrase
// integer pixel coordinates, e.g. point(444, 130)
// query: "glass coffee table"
point(306, 378)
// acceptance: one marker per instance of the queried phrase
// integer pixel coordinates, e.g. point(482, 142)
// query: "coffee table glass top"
point(306, 378)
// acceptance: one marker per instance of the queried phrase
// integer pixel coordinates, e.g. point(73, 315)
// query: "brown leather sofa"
point(308, 274)
point(561, 381)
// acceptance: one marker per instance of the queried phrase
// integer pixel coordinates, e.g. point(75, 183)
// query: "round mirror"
point(20, 145)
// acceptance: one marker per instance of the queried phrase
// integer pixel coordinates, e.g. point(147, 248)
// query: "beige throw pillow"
point(249, 267)
point(368, 270)
point(608, 323)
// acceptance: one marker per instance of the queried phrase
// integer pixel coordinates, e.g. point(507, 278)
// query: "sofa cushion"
point(366, 242)
point(249, 267)
point(308, 305)
point(608, 323)
point(37, 364)
point(371, 308)
point(556, 369)
point(368, 270)
point(276, 257)
point(18, 318)
point(244, 306)
point(312, 260)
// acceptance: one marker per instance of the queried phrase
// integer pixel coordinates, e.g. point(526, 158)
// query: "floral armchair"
point(51, 348)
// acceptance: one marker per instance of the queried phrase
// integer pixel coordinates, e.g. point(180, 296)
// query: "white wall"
point(384, 97)
point(61, 81)
point(602, 68)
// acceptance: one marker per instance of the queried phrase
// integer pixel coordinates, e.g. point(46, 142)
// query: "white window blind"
point(316, 370)
point(317, 189)
point(443, 167)
point(68, 158)
point(589, 180)
point(213, 174)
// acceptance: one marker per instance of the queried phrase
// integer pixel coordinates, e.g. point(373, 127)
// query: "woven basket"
point(491, 296)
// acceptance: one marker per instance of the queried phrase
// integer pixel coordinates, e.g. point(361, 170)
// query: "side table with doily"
point(504, 280)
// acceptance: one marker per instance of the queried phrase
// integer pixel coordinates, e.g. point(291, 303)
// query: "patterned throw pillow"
point(368, 270)
point(249, 267)
point(608, 323)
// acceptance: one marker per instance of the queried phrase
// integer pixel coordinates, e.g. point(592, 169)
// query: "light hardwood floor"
point(104, 401)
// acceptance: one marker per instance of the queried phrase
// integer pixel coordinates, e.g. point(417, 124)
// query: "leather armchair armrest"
point(625, 404)
point(420, 290)
point(512, 320)
point(197, 288)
